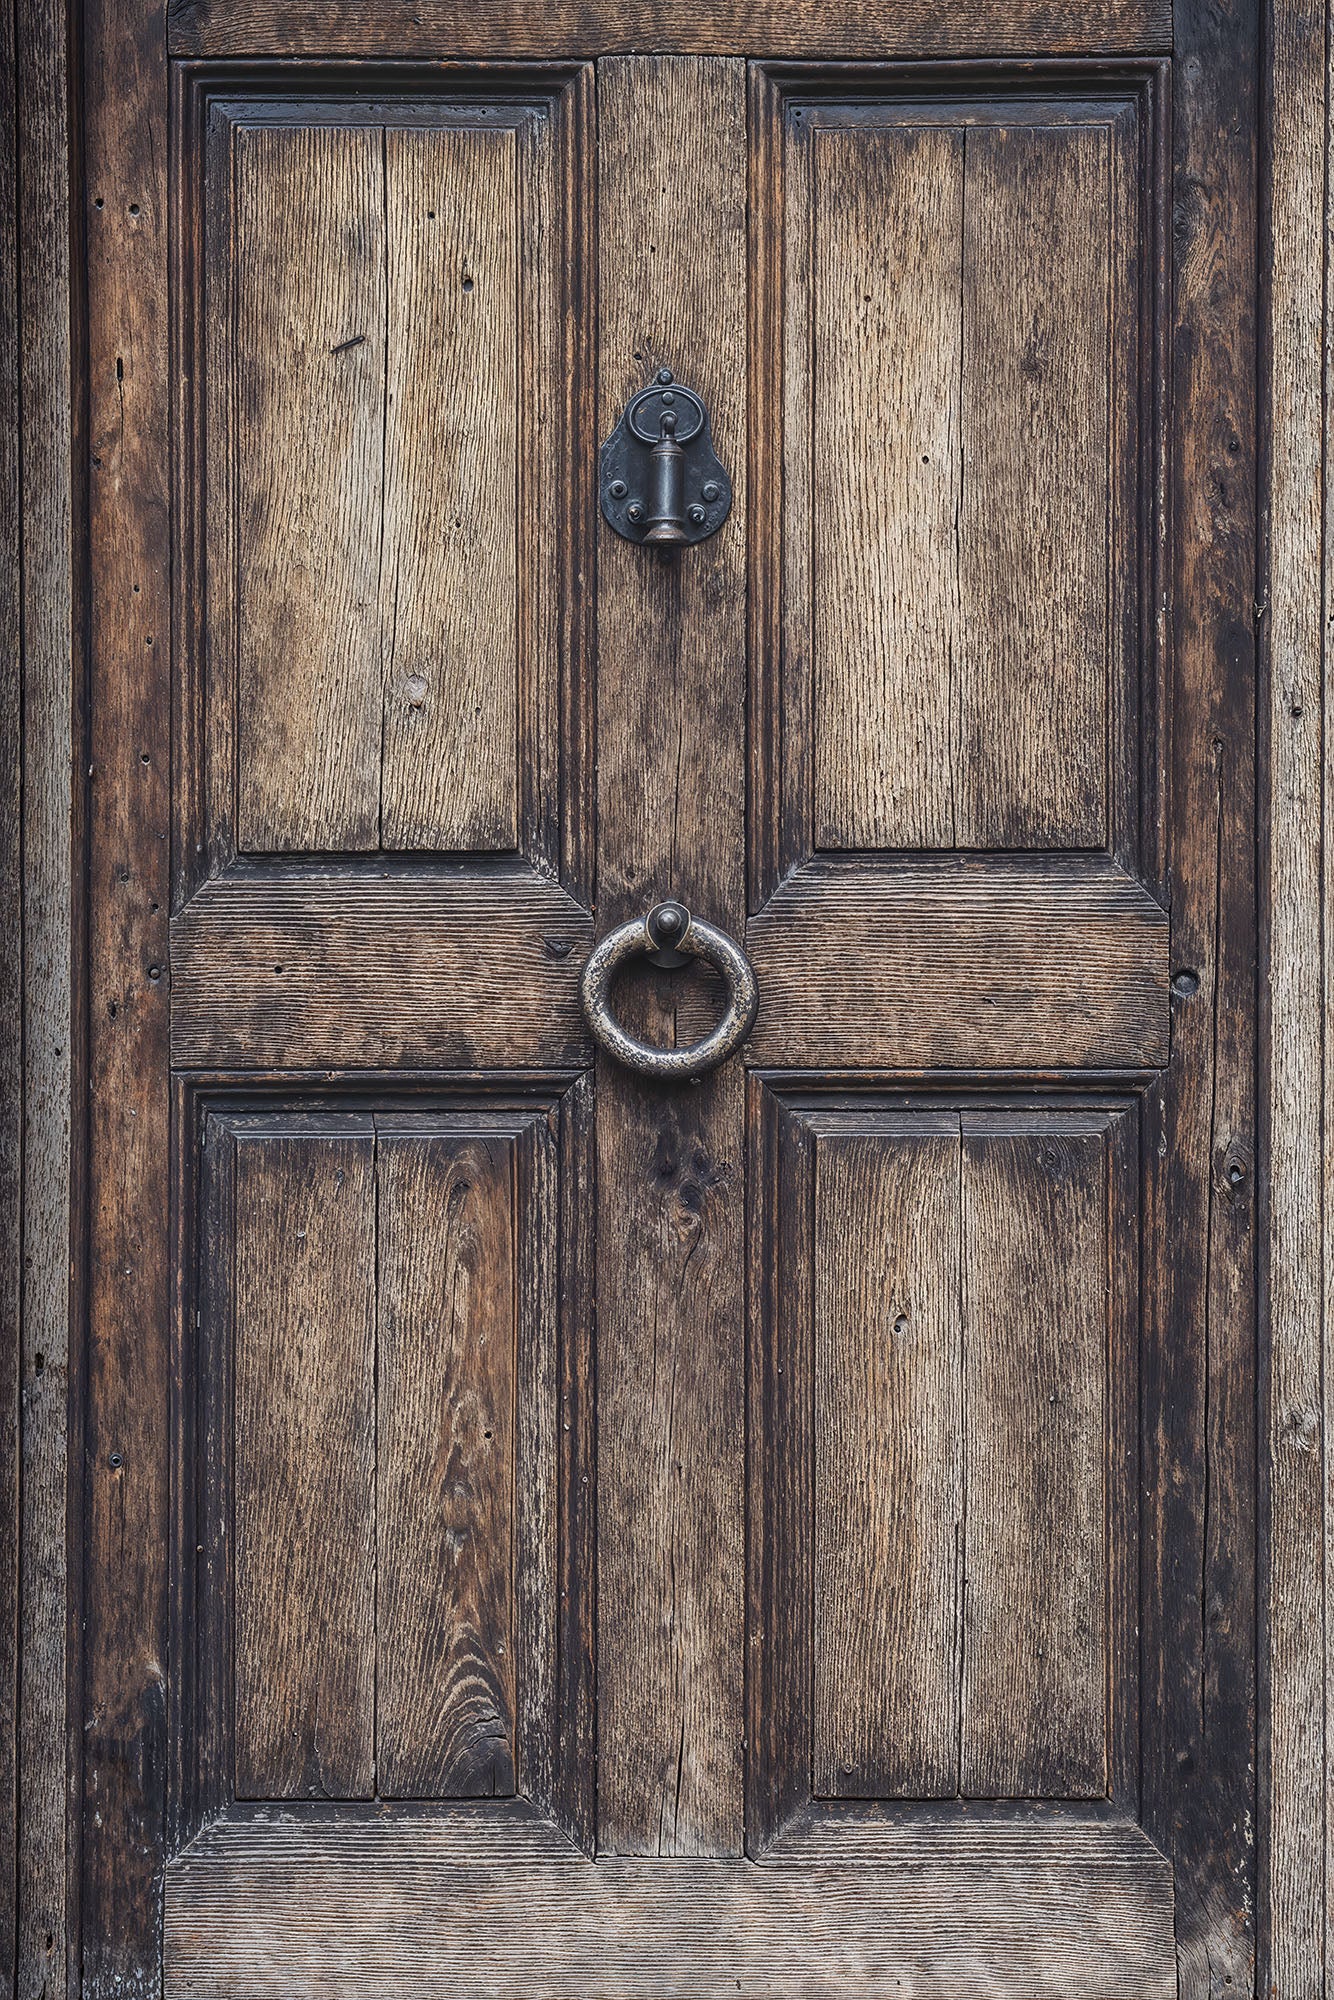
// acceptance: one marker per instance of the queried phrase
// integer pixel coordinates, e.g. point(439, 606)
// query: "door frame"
point(44, 1075)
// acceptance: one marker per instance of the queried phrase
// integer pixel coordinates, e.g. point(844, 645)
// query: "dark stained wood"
point(305, 1462)
point(849, 28)
point(889, 1456)
point(960, 963)
point(447, 585)
point(1199, 1616)
point(780, 1568)
point(670, 1173)
point(284, 1910)
point(289, 971)
point(122, 1488)
point(445, 1457)
point(310, 456)
point(979, 972)
point(1034, 658)
point(11, 1010)
point(47, 1017)
point(1033, 1717)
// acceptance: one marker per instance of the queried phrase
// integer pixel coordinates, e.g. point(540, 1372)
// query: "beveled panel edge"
point(552, 99)
point(536, 1114)
point(300, 1910)
point(974, 963)
point(466, 968)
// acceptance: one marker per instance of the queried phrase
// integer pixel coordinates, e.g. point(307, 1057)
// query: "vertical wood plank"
point(1035, 1255)
point(887, 476)
point(1296, 1752)
point(1033, 679)
point(304, 1464)
point(671, 725)
point(446, 1364)
point(1198, 1757)
point(124, 1483)
point(43, 1900)
point(11, 999)
point(888, 1462)
point(310, 411)
point(449, 584)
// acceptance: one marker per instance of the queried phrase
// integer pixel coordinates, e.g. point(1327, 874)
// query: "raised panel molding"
point(944, 1358)
point(954, 635)
point(385, 492)
point(385, 1432)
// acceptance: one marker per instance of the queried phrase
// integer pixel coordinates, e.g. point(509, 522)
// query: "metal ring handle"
point(669, 934)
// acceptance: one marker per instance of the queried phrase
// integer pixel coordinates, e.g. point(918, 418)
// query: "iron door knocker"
point(662, 482)
point(668, 936)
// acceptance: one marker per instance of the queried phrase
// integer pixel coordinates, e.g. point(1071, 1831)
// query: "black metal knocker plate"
point(662, 481)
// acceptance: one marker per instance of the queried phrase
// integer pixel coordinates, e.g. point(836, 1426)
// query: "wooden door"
point(548, 1530)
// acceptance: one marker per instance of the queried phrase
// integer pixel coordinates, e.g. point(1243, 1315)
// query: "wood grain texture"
point(448, 599)
point(12, 1004)
point(587, 28)
point(446, 1370)
point(671, 723)
point(423, 473)
point(310, 395)
point(948, 623)
point(1035, 1298)
point(887, 480)
point(780, 1465)
point(1033, 529)
point(121, 1490)
point(44, 1721)
point(258, 1912)
point(1199, 1797)
point(292, 972)
point(960, 964)
point(888, 1413)
point(1296, 1921)
point(305, 1456)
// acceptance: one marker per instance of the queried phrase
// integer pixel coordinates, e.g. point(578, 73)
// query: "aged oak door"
point(781, 1528)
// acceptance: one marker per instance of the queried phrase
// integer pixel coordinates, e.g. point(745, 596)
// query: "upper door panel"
point(953, 596)
point(384, 327)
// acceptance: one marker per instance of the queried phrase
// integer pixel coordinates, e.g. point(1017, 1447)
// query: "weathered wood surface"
point(960, 493)
point(848, 28)
point(1297, 1913)
point(960, 964)
point(1199, 1379)
point(449, 574)
point(12, 1002)
point(451, 970)
point(1033, 1719)
point(889, 1458)
point(670, 1176)
point(305, 1462)
point(310, 453)
point(949, 578)
point(123, 1488)
point(261, 1910)
point(445, 1465)
point(1037, 455)
point(376, 622)
point(48, 1023)
point(887, 479)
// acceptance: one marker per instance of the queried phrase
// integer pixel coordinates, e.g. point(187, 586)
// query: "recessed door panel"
point(385, 369)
